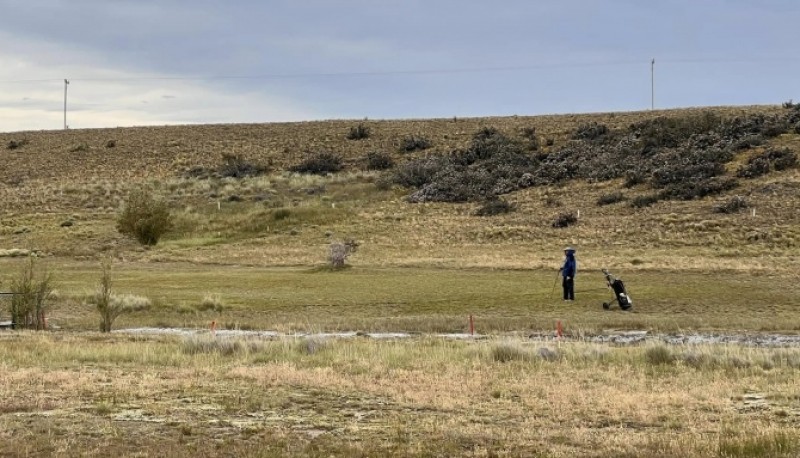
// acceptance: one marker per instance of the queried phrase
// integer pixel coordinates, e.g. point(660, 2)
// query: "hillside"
point(61, 192)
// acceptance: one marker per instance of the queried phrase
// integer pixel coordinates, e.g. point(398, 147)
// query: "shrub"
point(144, 217)
point(281, 214)
point(235, 166)
point(412, 143)
point(565, 219)
point(529, 134)
point(771, 159)
point(379, 161)
point(320, 163)
point(788, 104)
point(80, 147)
point(495, 206)
point(590, 131)
point(698, 189)
point(644, 201)
point(338, 252)
point(32, 292)
point(14, 144)
point(358, 132)
point(663, 132)
point(732, 205)
point(111, 144)
point(111, 306)
point(612, 198)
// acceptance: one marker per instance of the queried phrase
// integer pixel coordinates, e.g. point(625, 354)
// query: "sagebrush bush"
point(732, 205)
point(339, 251)
point(321, 163)
point(644, 201)
point(611, 198)
point(565, 219)
point(109, 305)
point(590, 131)
point(379, 161)
point(144, 217)
point(358, 132)
point(412, 143)
point(15, 144)
point(496, 206)
point(770, 159)
point(236, 166)
point(211, 302)
point(659, 355)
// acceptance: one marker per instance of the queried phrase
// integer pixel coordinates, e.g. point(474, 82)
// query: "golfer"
point(568, 271)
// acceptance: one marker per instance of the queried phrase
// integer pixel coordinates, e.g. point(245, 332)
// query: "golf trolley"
point(620, 295)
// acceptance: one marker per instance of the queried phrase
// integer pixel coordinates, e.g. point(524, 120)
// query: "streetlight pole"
point(653, 84)
point(66, 83)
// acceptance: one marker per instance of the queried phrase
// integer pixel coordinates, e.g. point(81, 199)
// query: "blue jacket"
point(570, 267)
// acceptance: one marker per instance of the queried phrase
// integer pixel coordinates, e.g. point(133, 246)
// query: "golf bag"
point(620, 295)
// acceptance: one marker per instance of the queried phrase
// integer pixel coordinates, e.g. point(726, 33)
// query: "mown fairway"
point(250, 253)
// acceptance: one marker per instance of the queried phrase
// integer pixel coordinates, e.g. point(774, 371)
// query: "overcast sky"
point(143, 62)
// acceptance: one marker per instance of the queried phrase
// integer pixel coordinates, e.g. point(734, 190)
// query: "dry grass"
point(374, 398)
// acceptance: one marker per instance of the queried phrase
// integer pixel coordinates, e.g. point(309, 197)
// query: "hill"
point(62, 190)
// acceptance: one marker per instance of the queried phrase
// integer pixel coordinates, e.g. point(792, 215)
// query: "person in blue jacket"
point(568, 271)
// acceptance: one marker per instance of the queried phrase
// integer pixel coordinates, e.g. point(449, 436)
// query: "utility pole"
point(66, 83)
point(653, 84)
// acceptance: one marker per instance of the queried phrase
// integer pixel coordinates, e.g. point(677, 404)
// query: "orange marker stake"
point(559, 329)
point(214, 328)
point(471, 326)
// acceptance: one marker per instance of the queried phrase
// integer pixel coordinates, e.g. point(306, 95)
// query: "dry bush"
point(376, 160)
point(321, 163)
point(236, 166)
point(565, 219)
point(611, 198)
point(109, 305)
point(495, 206)
point(590, 131)
point(771, 159)
point(144, 217)
point(358, 132)
point(32, 293)
point(412, 143)
point(338, 252)
point(732, 205)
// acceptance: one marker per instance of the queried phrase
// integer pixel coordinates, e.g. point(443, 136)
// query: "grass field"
point(251, 254)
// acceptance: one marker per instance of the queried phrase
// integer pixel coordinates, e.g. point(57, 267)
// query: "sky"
point(144, 62)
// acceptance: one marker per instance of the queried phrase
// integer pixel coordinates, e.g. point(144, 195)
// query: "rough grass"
point(362, 397)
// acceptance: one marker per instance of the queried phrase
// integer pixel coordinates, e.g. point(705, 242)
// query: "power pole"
point(66, 83)
point(653, 84)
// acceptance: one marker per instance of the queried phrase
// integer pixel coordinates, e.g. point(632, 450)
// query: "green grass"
point(426, 299)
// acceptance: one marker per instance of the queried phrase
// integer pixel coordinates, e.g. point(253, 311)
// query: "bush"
point(14, 144)
point(612, 198)
point(414, 143)
point(644, 201)
point(358, 132)
point(111, 143)
point(111, 306)
point(507, 352)
point(340, 251)
point(771, 159)
point(235, 166)
point(32, 292)
point(144, 218)
point(379, 161)
point(732, 205)
point(495, 206)
point(320, 163)
point(590, 131)
point(690, 190)
point(565, 219)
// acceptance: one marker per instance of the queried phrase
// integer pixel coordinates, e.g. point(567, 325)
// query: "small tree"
point(144, 218)
point(109, 305)
point(31, 295)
